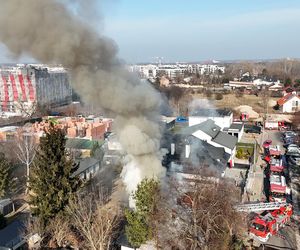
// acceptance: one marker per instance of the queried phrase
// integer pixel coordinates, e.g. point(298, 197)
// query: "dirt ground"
point(231, 101)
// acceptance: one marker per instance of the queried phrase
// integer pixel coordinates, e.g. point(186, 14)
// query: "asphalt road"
point(288, 237)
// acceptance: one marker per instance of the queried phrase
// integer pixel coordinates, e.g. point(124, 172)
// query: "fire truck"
point(278, 187)
point(268, 219)
point(272, 152)
point(277, 165)
point(278, 125)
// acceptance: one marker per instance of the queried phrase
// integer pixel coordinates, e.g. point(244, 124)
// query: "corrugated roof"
point(225, 140)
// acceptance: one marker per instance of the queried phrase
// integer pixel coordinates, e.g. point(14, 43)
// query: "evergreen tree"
point(51, 181)
point(7, 183)
point(139, 222)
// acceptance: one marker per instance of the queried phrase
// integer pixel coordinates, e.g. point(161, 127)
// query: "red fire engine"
point(274, 216)
point(278, 187)
point(272, 152)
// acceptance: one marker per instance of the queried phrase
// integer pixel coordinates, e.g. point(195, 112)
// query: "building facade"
point(149, 71)
point(289, 103)
point(23, 87)
point(222, 117)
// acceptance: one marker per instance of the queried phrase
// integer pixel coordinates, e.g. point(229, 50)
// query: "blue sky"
point(192, 30)
point(196, 30)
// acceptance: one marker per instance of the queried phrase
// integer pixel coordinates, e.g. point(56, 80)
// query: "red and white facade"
point(22, 87)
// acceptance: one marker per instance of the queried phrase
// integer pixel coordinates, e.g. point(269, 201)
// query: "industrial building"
point(24, 87)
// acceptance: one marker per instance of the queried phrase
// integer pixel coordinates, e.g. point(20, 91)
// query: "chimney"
point(187, 151)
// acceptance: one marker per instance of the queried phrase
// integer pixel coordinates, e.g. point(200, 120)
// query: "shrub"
point(239, 94)
point(239, 153)
point(218, 96)
point(208, 93)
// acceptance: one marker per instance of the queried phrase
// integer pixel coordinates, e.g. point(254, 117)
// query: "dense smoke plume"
point(50, 33)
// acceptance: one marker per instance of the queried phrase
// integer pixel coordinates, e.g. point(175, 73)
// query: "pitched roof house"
point(211, 140)
point(289, 103)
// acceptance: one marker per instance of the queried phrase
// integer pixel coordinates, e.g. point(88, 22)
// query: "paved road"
point(288, 237)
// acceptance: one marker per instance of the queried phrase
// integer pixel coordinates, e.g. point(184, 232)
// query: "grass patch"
point(244, 150)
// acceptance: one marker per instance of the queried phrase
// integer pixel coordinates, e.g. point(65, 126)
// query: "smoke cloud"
point(49, 32)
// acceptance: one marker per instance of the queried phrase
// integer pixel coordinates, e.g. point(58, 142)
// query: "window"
point(258, 227)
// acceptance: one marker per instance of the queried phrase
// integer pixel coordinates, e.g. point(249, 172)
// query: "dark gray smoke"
point(49, 32)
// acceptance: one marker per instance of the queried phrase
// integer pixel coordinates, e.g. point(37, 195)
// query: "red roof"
point(286, 98)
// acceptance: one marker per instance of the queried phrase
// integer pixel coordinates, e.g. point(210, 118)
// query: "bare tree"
point(26, 109)
point(26, 150)
point(96, 222)
point(201, 216)
point(61, 233)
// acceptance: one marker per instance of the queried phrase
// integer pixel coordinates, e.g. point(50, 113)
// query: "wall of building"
point(173, 70)
point(291, 105)
point(22, 87)
point(53, 88)
point(222, 122)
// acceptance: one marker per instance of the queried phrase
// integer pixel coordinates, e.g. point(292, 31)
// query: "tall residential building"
point(23, 87)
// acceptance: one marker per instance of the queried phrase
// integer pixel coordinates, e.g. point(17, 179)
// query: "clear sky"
point(187, 30)
point(194, 30)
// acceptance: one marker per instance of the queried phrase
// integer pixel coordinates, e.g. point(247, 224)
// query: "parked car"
point(294, 160)
point(289, 134)
point(294, 151)
point(292, 146)
point(287, 143)
point(291, 140)
point(252, 129)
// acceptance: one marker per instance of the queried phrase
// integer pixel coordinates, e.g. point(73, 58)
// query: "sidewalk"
point(255, 184)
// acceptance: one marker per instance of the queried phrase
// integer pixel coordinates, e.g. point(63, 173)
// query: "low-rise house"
point(194, 154)
point(92, 128)
point(211, 133)
point(289, 103)
point(222, 117)
point(201, 146)
point(82, 148)
point(276, 87)
point(8, 133)
point(288, 90)
point(236, 129)
point(88, 168)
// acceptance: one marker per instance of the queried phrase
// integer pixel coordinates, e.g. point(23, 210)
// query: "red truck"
point(269, 222)
point(268, 218)
point(278, 187)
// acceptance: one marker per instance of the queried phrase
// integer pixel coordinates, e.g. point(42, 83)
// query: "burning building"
point(23, 87)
